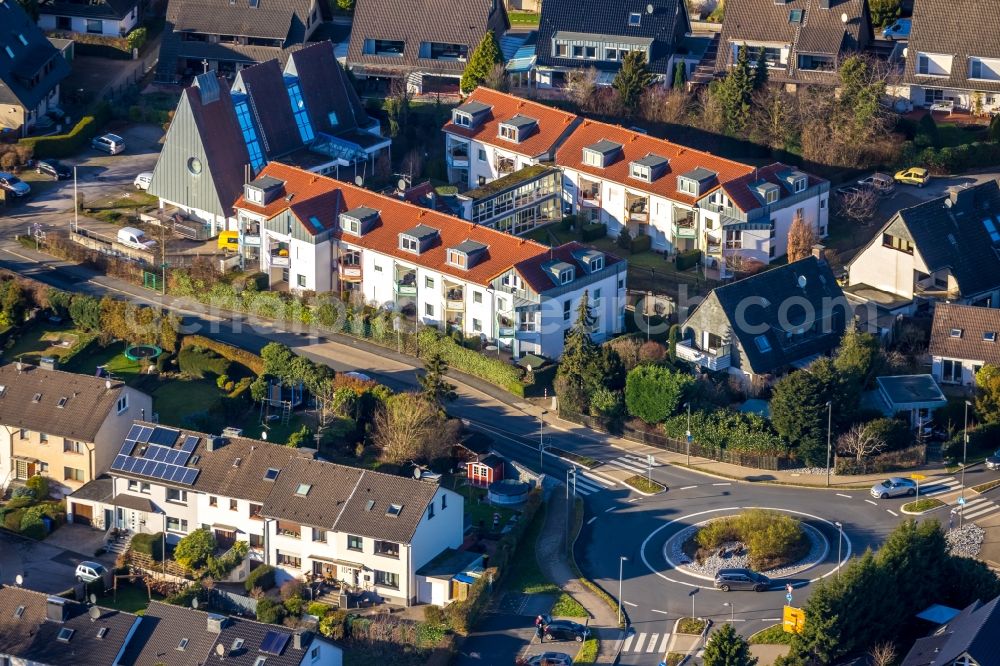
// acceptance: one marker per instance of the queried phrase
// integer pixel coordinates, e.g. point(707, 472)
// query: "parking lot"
point(43, 566)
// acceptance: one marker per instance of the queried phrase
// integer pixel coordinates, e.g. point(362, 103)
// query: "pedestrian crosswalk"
point(588, 484)
point(632, 463)
point(939, 486)
point(645, 642)
point(978, 508)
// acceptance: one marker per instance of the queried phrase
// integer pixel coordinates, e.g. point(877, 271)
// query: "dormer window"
point(771, 195)
point(592, 158)
point(800, 185)
point(566, 276)
point(350, 225)
point(517, 129)
point(461, 119)
point(358, 221)
point(508, 132)
point(688, 186)
point(466, 254)
point(596, 264)
point(409, 244)
point(253, 194)
point(458, 259)
point(634, 19)
point(639, 172)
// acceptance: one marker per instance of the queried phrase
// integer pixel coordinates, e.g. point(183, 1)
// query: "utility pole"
point(688, 405)
point(965, 447)
point(829, 425)
point(76, 205)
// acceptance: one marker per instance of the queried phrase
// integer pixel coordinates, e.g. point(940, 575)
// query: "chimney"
point(824, 4)
point(300, 640)
point(215, 623)
point(214, 443)
point(817, 251)
point(55, 609)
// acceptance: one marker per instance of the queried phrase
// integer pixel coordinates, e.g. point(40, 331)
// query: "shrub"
point(728, 429)
point(293, 605)
point(652, 393)
point(332, 625)
point(982, 440)
point(262, 577)
point(193, 551)
point(67, 145)
point(32, 525)
point(136, 39)
point(219, 567)
point(291, 588)
point(640, 243)
point(652, 352)
point(607, 403)
point(593, 231)
point(771, 538)
point(895, 433)
point(434, 615)
point(687, 259)
point(39, 484)
point(269, 611)
point(20, 502)
point(624, 239)
point(320, 609)
point(148, 544)
point(12, 519)
point(301, 437)
point(24, 491)
point(567, 222)
point(196, 362)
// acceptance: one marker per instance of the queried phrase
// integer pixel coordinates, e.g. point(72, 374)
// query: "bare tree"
point(801, 238)
point(660, 104)
point(413, 164)
point(861, 442)
point(883, 654)
point(581, 84)
point(410, 427)
point(858, 205)
point(773, 117)
point(498, 79)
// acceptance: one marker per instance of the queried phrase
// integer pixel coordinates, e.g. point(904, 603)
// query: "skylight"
point(634, 19)
point(762, 344)
point(991, 229)
point(102, 632)
point(303, 489)
point(65, 634)
point(183, 644)
point(237, 644)
point(62, 402)
point(313, 220)
point(271, 474)
point(795, 16)
point(990, 336)
point(956, 333)
point(19, 612)
point(369, 505)
point(394, 510)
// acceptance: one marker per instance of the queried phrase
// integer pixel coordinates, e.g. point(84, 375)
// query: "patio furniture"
point(945, 105)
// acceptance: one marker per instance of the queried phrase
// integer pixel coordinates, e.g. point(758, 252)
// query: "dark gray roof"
point(33, 638)
point(361, 212)
point(99, 490)
point(605, 147)
point(272, 19)
point(821, 31)
point(88, 402)
point(520, 121)
point(905, 389)
point(470, 246)
point(38, 58)
point(134, 502)
point(979, 333)
point(960, 28)
point(449, 562)
point(253, 635)
point(948, 232)
point(421, 231)
point(473, 107)
point(975, 631)
point(761, 297)
point(349, 499)
point(161, 631)
point(652, 160)
point(103, 9)
point(417, 21)
point(607, 19)
point(266, 182)
point(700, 174)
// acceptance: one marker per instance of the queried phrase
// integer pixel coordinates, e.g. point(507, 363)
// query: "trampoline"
point(142, 352)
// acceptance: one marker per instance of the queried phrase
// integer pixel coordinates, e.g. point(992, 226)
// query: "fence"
point(659, 441)
point(231, 602)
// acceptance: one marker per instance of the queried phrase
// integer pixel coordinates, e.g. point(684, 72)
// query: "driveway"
point(44, 567)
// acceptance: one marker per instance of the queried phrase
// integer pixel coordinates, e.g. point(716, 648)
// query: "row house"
point(685, 199)
point(62, 425)
point(301, 515)
point(963, 339)
point(325, 235)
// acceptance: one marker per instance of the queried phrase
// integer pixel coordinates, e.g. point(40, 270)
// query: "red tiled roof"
point(531, 269)
point(551, 122)
point(327, 198)
point(743, 198)
point(635, 147)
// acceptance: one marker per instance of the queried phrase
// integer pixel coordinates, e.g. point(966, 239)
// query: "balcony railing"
point(686, 228)
point(348, 270)
point(590, 197)
point(406, 287)
point(505, 331)
point(278, 260)
point(712, 359)
point(458, 156)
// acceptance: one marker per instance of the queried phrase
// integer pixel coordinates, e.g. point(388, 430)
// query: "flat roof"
point(910, 389)
point(421, 231)
point(604, 146)
point(473, 107)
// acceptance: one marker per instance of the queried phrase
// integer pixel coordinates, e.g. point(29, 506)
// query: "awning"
point(342, 563)
point(464, 578)
point(135, 503)
point(225, 528)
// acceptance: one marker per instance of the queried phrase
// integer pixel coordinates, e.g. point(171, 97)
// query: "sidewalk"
point(551, 553)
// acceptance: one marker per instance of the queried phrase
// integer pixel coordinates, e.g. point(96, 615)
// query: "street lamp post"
point(541, 444)
point(840, 543)
point(965, 447)
point(621, 568)
point(829, 430)
point(732, 611)
point(688, 434)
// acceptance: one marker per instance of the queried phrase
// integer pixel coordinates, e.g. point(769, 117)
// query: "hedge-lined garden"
point(71, 143)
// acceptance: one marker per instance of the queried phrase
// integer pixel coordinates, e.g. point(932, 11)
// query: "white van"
point(132, 237)
point(143, 181)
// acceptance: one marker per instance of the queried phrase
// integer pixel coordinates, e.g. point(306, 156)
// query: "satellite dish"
point(19, 580)
point(194, 604)
point(263, 435)
point(94, 612)
point(93, 598)
point(649, 9)
point(359, 181)
point(417, 473)
point(401, 183)
point(220, 650)
point(802, 281)
point(107, 384)
point(844, 18)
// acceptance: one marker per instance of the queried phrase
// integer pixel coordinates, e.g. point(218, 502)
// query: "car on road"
point(111, 144)
point(143, 180)
point(993, 461)
point(894, 487)
point(741, 579)
point(564, 630)
point(880, 182)
point(549, 659)
point(898, 30)
point(918, 176)
point(14, 185)
point(53, 168)
point(89, 571)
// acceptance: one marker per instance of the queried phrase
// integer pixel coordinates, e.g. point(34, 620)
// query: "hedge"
point(262, 577)
point(67, 145)
point(982, 440)
point(640, 243)
point(890, 461)
point(251, 361)
point(197, 362)
point(687, 259)
point(728, 429)
point(960, 158)
point(593, 231)
point(505, 375)
point(148, 544)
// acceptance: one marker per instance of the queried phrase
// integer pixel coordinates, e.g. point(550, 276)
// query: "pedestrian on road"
point(540, 632)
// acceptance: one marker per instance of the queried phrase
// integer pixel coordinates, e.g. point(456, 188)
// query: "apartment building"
point(299, 514)
point(685, 199)
point(62, 425)
point(321, 234)
point(493, 134)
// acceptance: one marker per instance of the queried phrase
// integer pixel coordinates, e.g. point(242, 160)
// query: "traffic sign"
point(918, 477)
point(961, 501)
point(793, 620)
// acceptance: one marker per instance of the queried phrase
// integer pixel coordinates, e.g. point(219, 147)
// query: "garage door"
point(82, 514)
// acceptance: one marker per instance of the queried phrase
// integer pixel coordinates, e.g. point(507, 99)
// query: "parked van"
point(111, 144)
point(229, 241)
point(132, 237)
point(143, 181)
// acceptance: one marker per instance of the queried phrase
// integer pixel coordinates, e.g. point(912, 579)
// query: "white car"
point(112, 144)
point(89, 571)
point(143, 181)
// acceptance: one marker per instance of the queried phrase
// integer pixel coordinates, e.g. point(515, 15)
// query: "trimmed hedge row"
point(197, 362)
point(640, 243)
point(687, 259)
point(593, 231)
point(505, 375)
point(262, 577)
point(66, 145)
point(148, 544)
point(235, 354)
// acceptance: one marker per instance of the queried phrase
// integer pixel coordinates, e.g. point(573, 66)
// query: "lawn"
point(130, 598)
point(523, 18)
point(588, 652)
point(923, 504)
point(989, 485)
point(111, 357)
point(48, 340)
point(567, 606)
point(525, 575)
point(177, 400)
point(691, 625)
point(479, 511)
point(773, 635)
point(644, 485)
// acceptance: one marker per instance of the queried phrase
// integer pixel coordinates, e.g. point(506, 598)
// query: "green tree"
point(433, 383)
point(727, 648)
point(59, 301)
point(993, 133)
point(485, 56)
point(680, 76)
point(85, 311)
point(884, 12)
point(581, 369)
point(799, 414)
point(653, 392)
point(40, 485)
point(301, 437)
point(988, 396)
point(632, 79)
point(735, 93)
point(673, 337)
point(861, 93)
point(193, 550)
point(760, 73)
point(344, 6)
point(927, 132)
point(857, 355)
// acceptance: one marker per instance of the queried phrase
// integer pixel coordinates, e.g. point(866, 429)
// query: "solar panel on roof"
point(164, 436)
point(189, 476)
point(182, 458)
point(119, 461)
point(190, 442)
point(274, 642)
point(159, 470)
point(127, 446)
point(145, 434)
point(133, 432)
point(176, 474)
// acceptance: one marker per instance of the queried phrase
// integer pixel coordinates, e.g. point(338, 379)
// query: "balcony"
point(505, 331)
point(590, 193)
point(454, 299)
point(458, 155)
point(251, 240)
point(637, 209)
point(712, 359)
point(406, 285)
point(685, 228)
point(505, 165)
point(934, 287)
point(278, 260)
point(348, 271)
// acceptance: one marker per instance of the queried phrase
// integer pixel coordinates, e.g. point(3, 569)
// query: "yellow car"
point(913, 176)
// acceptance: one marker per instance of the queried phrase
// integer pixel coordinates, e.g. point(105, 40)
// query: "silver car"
point(894, 487)
point(993, 461)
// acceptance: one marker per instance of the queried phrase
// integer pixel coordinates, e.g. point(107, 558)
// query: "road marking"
point(639, 643)
point(598, 479)
point(628, 642)
point(627, 464)
point(843, 495)
point(609, 510)
point(771, 619)
point(634, 499)
point(629, 603)
point(893, 512)
point(592, 520)
point(652, 643)
point(872, 503)
point(722, 484)
point(653, 610)
point(688, 487)
point(663, 644)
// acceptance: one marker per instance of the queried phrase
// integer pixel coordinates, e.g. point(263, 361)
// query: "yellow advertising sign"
point(793, 621)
